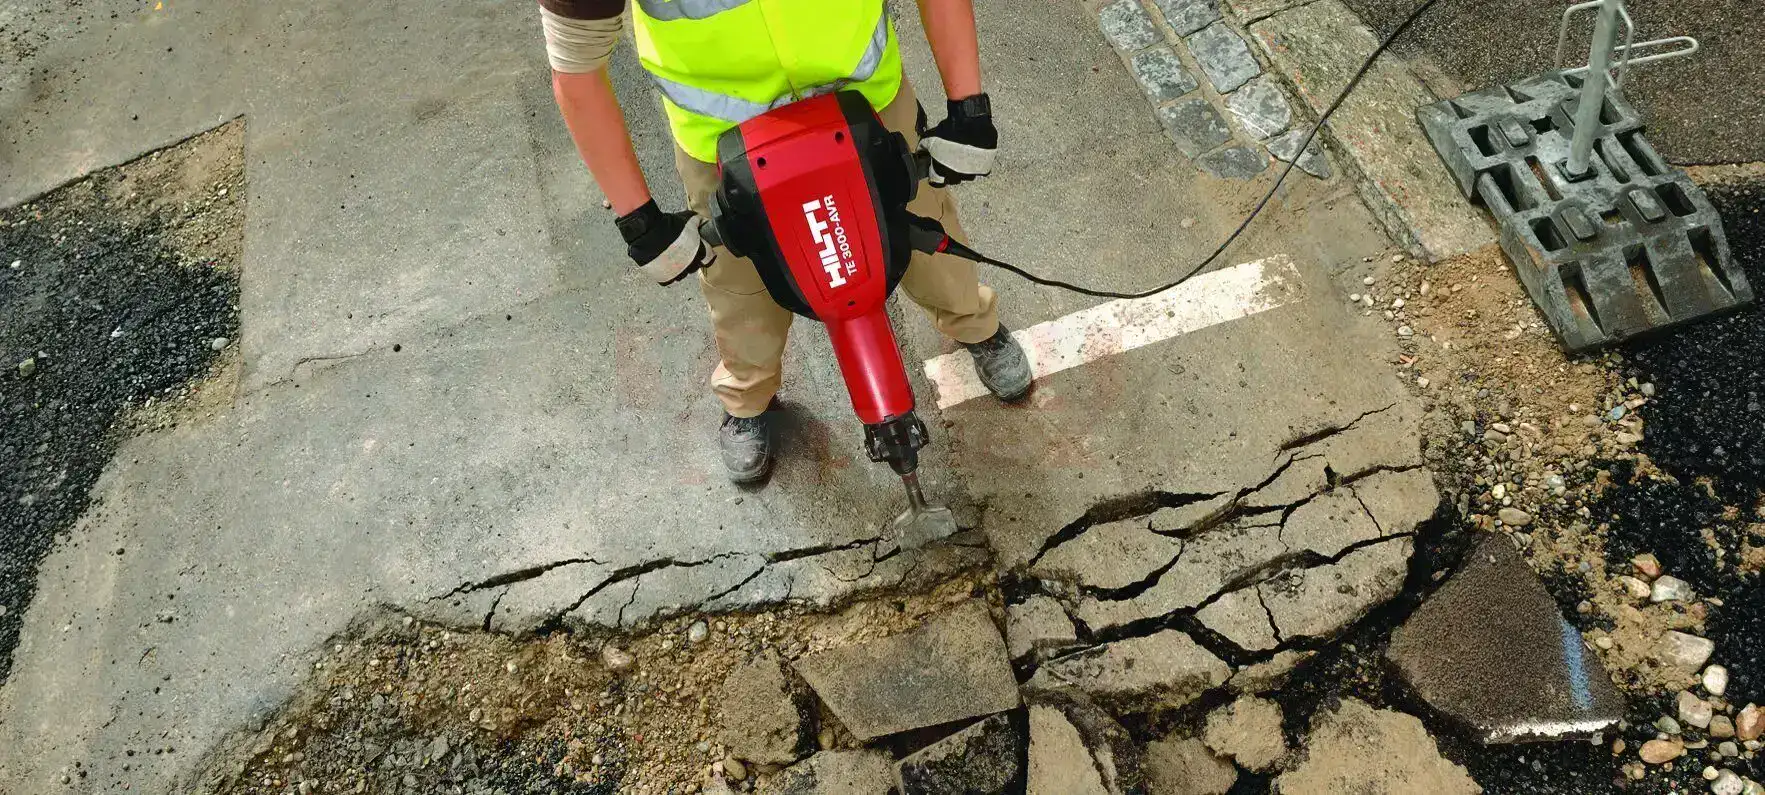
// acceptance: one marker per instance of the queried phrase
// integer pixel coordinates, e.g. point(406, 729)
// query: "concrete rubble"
point(1077, 747)
point(1248, 732)
point(1491, 651)
point(1185, 766)
point(766, 714)
point(952, 668)
point(835, 773)
point(1038, 626)
point(984, 757)
point(1356, 748)
point(1166, 669)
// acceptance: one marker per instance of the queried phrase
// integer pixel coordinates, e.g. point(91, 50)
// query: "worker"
point(718, 63)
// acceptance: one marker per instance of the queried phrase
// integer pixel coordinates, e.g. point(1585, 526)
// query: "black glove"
point(665, 246)
point(963, 145)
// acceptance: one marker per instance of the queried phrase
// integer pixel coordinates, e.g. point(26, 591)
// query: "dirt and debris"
point(398, 705)
point(120, 293)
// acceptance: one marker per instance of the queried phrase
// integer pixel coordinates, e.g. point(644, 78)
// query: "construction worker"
point(718, 63)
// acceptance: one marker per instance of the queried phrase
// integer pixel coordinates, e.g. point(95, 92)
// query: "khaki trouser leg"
point(947, 286)
point(751, 329)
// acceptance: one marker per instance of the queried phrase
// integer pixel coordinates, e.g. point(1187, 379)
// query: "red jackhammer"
point(815, 193)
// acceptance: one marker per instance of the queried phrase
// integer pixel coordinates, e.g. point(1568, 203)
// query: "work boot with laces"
point(746, 443)
point(1002, 365)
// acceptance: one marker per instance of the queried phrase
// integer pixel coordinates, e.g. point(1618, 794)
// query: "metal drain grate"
point(1627, 248)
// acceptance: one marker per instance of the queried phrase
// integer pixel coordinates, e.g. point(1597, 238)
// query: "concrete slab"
point(1317, 47)
point(1319, 602)
point(443, 412)
point(952, 668)
point(984, 757)
point(1166, 668)
point(1491, 650)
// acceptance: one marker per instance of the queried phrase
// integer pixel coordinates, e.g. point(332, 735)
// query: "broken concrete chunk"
point(1399, 501)
point(1491, 650)
point(1209, 563)
point(835, 773)
point(1321, 601)
point(1373, 752)
point(766, 716)
point(1270, 674)
point(1240, 618)
point(1113, 753)
point(1135, 675)
point(1109, 556)
point(1185, 767)
point(1037, 625)
point(1059, 762)
point(1329, 523)
point(985, 757)
point(1249, 732)
point(952, 668)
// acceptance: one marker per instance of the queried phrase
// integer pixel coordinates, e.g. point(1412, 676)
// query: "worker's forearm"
point(949, 28)
point(598, 126)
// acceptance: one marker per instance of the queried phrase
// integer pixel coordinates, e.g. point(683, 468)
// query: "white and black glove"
point(665, 246)
point(963, 145)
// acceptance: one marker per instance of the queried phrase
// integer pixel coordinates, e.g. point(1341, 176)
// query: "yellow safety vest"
point(719, 63)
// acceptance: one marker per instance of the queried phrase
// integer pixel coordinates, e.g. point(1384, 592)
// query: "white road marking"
point(1125, 324)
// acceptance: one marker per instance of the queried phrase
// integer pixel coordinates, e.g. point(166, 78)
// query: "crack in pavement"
point(1327, 432)
point(1274, 628)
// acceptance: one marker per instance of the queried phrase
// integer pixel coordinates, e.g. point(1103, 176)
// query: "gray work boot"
point(1002, 365)
point(747, 447)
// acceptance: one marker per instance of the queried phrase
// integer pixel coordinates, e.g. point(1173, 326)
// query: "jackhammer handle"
point(709, 234)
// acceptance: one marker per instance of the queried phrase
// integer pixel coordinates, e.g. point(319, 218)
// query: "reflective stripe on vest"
point(670, 10)
point(736, 110)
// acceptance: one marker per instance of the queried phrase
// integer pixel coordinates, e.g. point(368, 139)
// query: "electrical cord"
point(968, 253)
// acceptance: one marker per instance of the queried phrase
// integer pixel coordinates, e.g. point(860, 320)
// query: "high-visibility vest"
point(719, 63)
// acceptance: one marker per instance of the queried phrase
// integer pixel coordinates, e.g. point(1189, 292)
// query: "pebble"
point(1658, 752)
point(1710, 773)
point(1604, 642)
point(1634, 588)
point(510, 666)
point(1648, 390)
point(1647, 565)
point(1405, 331)
point(1728, 748)
point(1501, 489)
point(1749, 723)
point(1514, 517)
point(697, 632)
point(1667, 724)
point(736, 770)
point(1721, 727)
point(1186, 223)
point(17, 263)
point(26, 367)
point(1616, 414)
point(1556, 484)
point(1672, 589)
point(218, 343)
point(1354, 298)
point(1368, 281)
point(1727, 783)
point(1694, 711)
point(1715, 680)
point(1422, 383)
point(1398, 303)
point(617, 659)
point(1685, 651)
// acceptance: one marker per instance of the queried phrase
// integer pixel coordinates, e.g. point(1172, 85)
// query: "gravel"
point(154, 256)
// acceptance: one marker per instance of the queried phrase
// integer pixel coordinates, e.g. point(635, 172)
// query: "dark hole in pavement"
point(121, 288)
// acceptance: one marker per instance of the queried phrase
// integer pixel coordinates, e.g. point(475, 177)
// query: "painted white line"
point(1125, 324)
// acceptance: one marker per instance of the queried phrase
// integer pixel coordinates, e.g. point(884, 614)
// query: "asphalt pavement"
point(1704, 109)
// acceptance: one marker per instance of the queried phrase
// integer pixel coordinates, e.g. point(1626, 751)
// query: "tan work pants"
point(751, 329)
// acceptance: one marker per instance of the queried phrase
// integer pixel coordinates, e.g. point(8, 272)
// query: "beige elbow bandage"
point(575, 46)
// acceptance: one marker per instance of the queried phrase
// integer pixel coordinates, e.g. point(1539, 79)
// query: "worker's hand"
point(963, 145)
point(665, 246)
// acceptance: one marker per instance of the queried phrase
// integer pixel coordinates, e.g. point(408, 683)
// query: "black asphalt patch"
point(110, 313)
point(1703, 109)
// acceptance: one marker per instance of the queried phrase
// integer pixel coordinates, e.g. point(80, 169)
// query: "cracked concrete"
point(458, 400)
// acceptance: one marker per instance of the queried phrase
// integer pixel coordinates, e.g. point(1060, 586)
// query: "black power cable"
point(968, 253)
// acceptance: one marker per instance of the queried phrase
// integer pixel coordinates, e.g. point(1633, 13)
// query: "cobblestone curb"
point(1207, 86)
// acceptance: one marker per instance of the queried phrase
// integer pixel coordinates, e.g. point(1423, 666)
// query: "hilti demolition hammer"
point(815, 193)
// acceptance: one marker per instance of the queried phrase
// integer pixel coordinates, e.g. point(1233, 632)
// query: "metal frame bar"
point(1598, 71)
